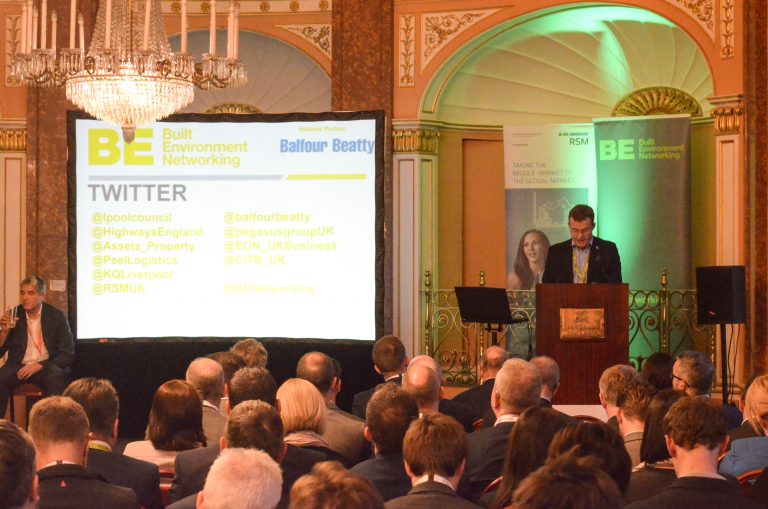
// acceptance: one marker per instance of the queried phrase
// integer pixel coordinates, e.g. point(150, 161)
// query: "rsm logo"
point(106, 147)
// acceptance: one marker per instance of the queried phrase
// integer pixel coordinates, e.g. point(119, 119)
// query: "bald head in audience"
point(207, 377)
point(550, 376)
point(423, 383)
point(491, 361)
point(517, 387)
point(317, 368)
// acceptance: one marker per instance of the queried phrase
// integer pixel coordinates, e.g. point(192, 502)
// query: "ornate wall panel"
point(406, 47)
point(319, 35)
point(439, 28)
point(12, 43)
point(703, 11)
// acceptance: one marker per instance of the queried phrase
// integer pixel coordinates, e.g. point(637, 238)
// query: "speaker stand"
point(724, 363)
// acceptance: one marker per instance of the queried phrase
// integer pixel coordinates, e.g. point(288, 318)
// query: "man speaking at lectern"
point(583, 258)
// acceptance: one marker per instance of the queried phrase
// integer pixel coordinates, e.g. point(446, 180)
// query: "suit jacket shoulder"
point(697, 492)
point(462, 413)
point(140, 476)
point(191, 469)
point(430, 494)
point(72, 487)
point(487, 450)
point(344, 434)
point(477, 398)
point(387, 474)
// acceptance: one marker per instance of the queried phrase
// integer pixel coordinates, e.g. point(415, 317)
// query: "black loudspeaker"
point(720, 294)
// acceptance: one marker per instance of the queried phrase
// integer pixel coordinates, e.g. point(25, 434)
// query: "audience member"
point(38, 342)
point(251, 425)
point(695, 429)
point(569, 481)
point(747, 454)
point(479, 398)
point(230, 363)
point(331, 486)
point(252, 352)
point(253, 384)
point(423, 384)
point(207, 377)
point(751, 426)
point(655, 471)
point(517, 388)
point(18, 482)
point(550, 378)
point(527, 450)
point(597, 440)
point(99, 400)
point(389, 361)
point(389, 414)
point(461, 413)
point(434, 451)
point(175, 424)
point(633, 403)
point(59, 429)
point(612, 382)
point(694, 373)
point(343, 431)
point(657, 370)
point(303, 412)
point(242, 479)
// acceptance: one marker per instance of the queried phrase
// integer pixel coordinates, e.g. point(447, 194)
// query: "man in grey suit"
point(207, 377)
point(343, 431)
point(435, 452)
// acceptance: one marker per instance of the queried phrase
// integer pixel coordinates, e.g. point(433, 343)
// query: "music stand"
point(487, 306)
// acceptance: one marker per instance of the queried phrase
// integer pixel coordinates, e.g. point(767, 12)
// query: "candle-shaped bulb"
point(53, 30)
point(212, 38)
point(72, 22)
point(81, 31)
point(183, 26)
point(147, 13)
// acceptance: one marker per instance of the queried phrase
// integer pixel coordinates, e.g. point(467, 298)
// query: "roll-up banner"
point(643, 177)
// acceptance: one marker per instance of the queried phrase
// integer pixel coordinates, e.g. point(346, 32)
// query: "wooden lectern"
point(585, 328)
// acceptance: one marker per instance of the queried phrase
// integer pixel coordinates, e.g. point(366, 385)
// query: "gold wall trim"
point(439, 28)
point(13, 140)
point(727, 119)
point(407, 31)
point(233, 108)
point(319, 35)
point(700, 10)
point(415, 140)
point(657, 101)
point(728, 31)
point(12, 44)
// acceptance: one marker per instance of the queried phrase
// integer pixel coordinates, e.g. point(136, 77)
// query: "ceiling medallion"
point(233, 108)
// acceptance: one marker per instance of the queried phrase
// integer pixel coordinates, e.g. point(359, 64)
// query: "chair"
point(493, 485)
point(747, 481)
point(25, 390)
point(586, 418)
point(166, 479)
point(478, 424)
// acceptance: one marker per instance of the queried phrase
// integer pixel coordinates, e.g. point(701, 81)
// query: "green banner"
point(643, 176)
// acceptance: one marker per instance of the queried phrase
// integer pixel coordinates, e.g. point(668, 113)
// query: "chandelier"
point(129, 77)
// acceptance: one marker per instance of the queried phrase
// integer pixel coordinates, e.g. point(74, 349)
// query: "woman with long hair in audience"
point(748, 454)
point(528, 445)
point(530, 260)
point(303, 412)
point(175, 424)
point(655, 471)
point(657, 370)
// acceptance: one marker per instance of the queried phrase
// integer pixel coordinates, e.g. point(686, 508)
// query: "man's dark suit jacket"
point(141, 476)
point(361, 399)
point(604, 263)
point(192, 468)
point(72, 487)
point(57, 338)
point(487, 450)
point(477, 398)
point(648, 481)
point(430, 494)
point(387, 474)
point(697, 492)
point(461, 413)
point(744, 431)
point(734, 416)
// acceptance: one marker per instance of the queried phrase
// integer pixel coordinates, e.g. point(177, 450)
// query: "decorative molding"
point(727, 119)
point(12, 44)
point(251, 7)
point(317, 34)
point(439, 28)
point(235, 108)
point(293, 6)
point(727, 31)
point(13, 139)
point(406, 45)
point(700, 10)
point(657, 101)
point(264, 7)
point(205, 6)
point(323, 5)
point(415, 140)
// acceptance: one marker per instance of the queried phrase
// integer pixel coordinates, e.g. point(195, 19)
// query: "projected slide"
point(226, 229)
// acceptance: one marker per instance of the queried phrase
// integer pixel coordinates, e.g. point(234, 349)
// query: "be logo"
point(611, 150)
point(106, 147)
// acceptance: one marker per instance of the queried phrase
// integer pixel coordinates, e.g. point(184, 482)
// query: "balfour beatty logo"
point(105, 147)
